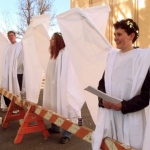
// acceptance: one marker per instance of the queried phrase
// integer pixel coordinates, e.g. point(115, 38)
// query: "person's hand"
point(116, 106)
point(106, 104)
point(113, 106)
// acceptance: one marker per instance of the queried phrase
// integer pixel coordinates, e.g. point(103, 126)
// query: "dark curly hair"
point(13, 32)
point(59, 44)
point(129, 26)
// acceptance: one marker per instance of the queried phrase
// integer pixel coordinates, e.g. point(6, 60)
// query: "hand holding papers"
point(102, 95)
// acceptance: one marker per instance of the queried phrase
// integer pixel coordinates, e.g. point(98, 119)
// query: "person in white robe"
point(12, 67)
point(125, 77)
point(33, 45)
point(62, 92)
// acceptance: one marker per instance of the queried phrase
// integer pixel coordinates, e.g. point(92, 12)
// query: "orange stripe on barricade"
point(111, 144)
point(82, 132)
point(66, 124)
point(38, 113)
point(43, 112)
point(6, 93)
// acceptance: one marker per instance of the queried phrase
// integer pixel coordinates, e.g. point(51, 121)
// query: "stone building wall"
point(138, 10)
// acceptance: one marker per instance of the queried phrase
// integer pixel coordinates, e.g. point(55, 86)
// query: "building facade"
point(138, 10)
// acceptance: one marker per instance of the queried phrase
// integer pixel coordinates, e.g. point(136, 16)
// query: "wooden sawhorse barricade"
point(36, 113)
point(31, 121)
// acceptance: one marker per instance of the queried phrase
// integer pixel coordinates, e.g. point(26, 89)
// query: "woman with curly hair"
point(62, 89)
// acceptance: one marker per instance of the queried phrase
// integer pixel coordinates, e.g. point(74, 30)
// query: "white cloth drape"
point(3, 43)
point(35, 45)
point(9, 80)
point(99, 16)
point(146, 144)
point(39, 28)
point(62, 92)
point(87, 48)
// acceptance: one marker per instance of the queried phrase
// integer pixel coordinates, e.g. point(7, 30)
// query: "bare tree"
point(45, 6)
point(30, 8)
point(26, 12)
point(5, 21)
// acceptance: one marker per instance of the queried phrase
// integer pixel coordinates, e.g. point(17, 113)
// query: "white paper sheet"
point(102, 95)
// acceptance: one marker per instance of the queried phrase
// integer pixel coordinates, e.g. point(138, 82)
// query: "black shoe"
point(64, 140)
point(50, 130)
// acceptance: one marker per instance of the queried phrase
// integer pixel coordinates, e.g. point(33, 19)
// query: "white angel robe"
point(12, 65)
point(124, 77)
point(62, 92)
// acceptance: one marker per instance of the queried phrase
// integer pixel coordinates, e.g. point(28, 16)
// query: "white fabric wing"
point(99, 15)
point(70, 90)
point(33, 70)
point(88, 50)
point(41, 38)
point(40, 25)
point(35, 45)
point(3, 44)
point(44, 19)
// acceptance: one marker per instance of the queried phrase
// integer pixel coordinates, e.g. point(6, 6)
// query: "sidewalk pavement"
point(36, 141)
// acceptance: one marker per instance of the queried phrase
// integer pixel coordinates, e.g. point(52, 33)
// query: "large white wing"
point(35, 45)
point(41, 40)
point(45, 19)
point(3, 43)
point(88, 50)
point(99, 16)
